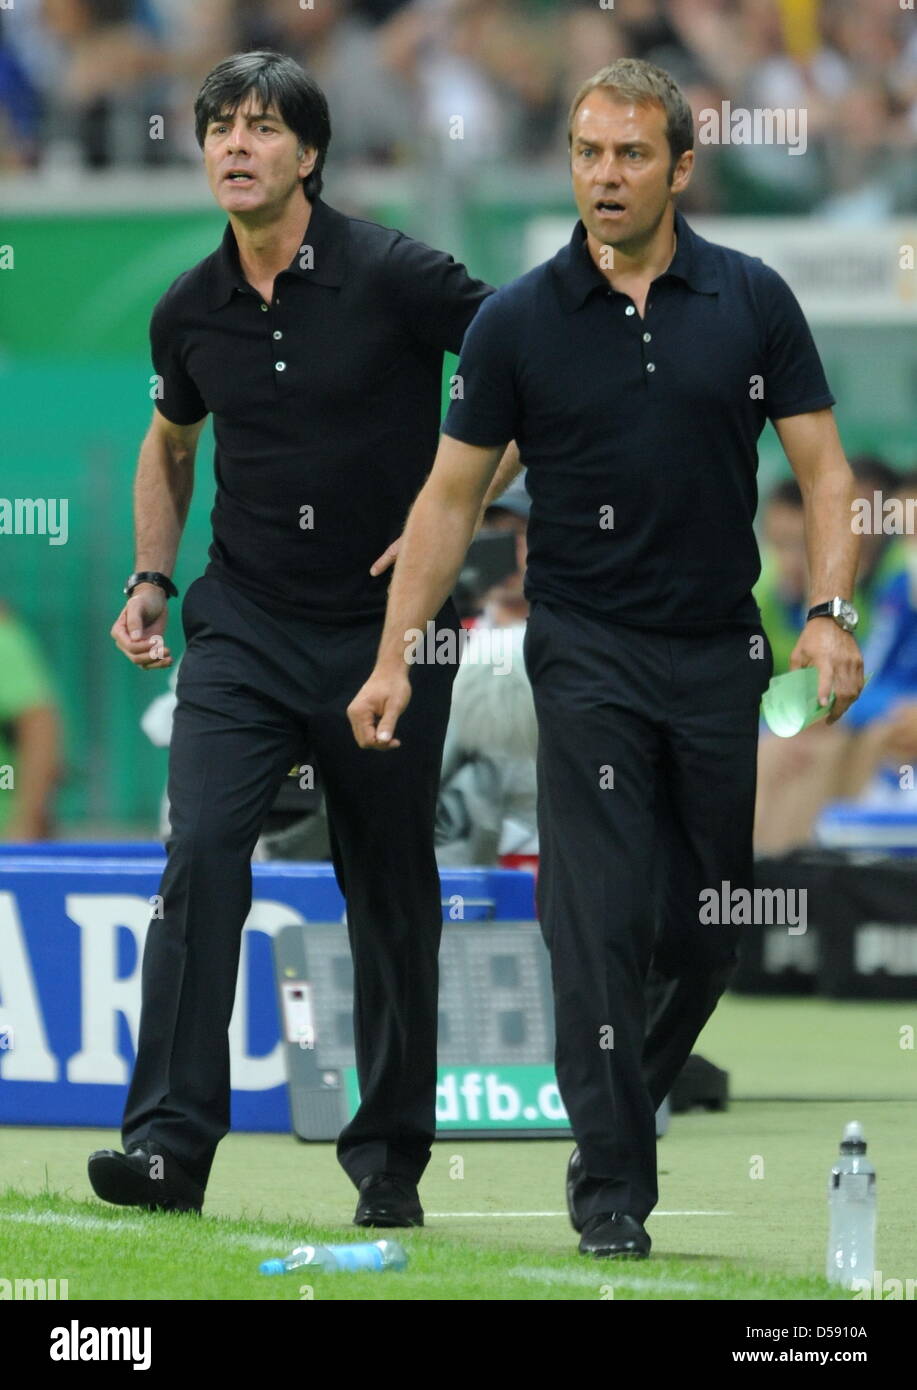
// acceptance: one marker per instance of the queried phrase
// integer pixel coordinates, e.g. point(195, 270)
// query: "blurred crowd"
point(31, 745)
point(487, 805)
point(80, 80)
point(869, 757)
point(477, 84)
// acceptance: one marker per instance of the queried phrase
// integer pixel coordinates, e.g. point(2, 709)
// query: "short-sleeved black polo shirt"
point(639, 435)
point(326, 403)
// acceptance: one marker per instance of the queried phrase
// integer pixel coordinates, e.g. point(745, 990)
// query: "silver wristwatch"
point(840, 609)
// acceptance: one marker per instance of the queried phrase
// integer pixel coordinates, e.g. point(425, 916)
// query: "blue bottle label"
point(357, 1256)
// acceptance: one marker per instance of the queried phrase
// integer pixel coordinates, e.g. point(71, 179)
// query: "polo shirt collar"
point(577, 275)
point(327, 236)
point(694, 260)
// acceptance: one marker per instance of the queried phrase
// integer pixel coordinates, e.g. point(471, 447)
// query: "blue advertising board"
point(73, 920)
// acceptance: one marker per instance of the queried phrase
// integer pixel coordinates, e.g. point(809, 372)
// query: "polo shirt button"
point(630, 310)
point(646, 337)
point(281, 366)
point(277, 333)
point(264, 308)
point(651, 366)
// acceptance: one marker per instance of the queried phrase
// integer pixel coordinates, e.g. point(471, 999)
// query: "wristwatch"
point(151, 577)
point(840, 609)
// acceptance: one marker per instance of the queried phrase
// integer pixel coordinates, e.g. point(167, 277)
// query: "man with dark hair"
point(280, 84)
point(316, 341)
point(635, 370)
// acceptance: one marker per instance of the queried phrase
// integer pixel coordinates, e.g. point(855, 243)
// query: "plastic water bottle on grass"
point(852, 1212)
point(377, 1255)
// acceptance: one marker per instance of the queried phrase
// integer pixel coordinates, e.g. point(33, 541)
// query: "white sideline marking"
point(98, 1223)
point(442, 1215)
point(602, 1276)
point(254, 1242)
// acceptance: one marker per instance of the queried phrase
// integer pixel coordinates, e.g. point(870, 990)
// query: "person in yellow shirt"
point(798, 776)
point(29, 735)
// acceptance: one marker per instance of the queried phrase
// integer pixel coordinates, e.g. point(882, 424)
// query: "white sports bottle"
point(852, 1212)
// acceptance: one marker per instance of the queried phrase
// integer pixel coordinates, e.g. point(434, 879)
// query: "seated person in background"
point(29, 736)
point(486, 804)
point(883, 552)
point(505, 604)
point(879, 767)
point(798, 776)
point(782, 592)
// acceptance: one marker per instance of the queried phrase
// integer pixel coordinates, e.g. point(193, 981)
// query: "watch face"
point(848, 615)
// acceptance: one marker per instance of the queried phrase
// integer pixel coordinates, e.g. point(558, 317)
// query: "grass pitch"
point(742, 1195)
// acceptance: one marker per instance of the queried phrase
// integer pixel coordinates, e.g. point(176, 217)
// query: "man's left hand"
point(386, 559)
point(839, 661)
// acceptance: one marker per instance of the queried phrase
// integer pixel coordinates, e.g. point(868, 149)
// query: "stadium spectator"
point(30, 736)
point(505, 602)
point(110, 83)
point(883, 554)
point(487, 805)
point(340, 49)
point(20, 109)
point(485, 75)
point(798, 777)
point(782, 590)
point(884, 722)
point(194, 36)
point(487, 799)
point(399, 73)
point(862, 758)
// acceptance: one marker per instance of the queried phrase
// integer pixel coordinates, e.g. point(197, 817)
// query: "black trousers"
point(646, 793)
point(254, 689)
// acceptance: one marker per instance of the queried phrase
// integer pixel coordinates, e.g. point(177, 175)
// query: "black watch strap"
point(151, 577)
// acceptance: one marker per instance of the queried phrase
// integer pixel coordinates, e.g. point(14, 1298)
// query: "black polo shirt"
point(639, 435)
point(326, 403)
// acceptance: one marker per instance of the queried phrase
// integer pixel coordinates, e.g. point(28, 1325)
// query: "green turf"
point(815, 1049)
point(268, 1193)
point(496, 1223)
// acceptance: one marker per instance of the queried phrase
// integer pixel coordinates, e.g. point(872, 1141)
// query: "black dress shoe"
point(146, 1177)
point(574, 1173)
point(614, 1235)
point(387, 1200)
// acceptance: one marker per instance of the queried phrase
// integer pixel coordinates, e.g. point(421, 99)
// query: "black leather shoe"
point(387, 1200)
point(136, 1179)
point(574, 1173)
point(614, 1235)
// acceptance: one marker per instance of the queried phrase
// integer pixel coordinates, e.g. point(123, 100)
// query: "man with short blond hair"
point(635, 370)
